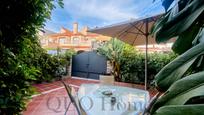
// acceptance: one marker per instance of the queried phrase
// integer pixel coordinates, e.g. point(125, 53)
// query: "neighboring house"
point(66, 39)
point(44, 35)
point(83, 41)
point(163, 47)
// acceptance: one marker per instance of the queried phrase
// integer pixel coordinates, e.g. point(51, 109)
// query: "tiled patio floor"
point(53, 97)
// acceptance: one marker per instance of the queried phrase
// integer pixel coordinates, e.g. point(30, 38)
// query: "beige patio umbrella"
point(134, 32)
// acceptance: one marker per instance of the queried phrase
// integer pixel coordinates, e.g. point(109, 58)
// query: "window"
point(62, 40)
point(93, 39)
point(95, 44)
point(75, 40)
point(84, 40)
point(50, 40)
point(68, 40)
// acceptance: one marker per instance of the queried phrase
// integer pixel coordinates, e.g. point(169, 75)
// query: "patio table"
point(98, 99)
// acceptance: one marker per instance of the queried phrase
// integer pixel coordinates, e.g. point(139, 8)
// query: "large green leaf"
point(181, 110)
point(175, 69)
point(181, 91)
point(199, 38)
point(159, 23)
point(180, 22)
point(182, 98)
point(184, 41)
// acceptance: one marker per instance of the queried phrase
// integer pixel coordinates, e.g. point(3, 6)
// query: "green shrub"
point(67, 55)
point(129, 63)
point(14, 84)
point(52, 66)
point(132, 65)
point(65, 59)
point(22, 60)
point(49, 66)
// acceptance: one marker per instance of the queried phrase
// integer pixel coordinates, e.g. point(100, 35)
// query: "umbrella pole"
point(146, 51)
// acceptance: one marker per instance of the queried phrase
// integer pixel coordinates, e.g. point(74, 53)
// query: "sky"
point(99, 13)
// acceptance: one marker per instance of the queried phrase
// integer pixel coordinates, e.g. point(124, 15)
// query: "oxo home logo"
point(60, 104)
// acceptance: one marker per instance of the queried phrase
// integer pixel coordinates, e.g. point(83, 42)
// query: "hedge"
point(133, 65)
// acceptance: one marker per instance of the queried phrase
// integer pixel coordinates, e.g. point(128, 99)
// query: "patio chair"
point(74, 100)
point(107, 79)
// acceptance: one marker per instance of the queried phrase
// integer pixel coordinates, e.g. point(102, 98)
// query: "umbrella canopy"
point(134, 32)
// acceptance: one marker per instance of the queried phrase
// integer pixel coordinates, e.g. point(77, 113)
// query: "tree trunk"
point(116, 70)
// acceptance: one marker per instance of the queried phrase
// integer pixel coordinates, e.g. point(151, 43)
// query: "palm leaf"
point(175, 69)
point(159, 23)
point(181, 99)
point(181, 110)
point(181, 91)
point(184, 41)
point(180, 22)
point(199, 38)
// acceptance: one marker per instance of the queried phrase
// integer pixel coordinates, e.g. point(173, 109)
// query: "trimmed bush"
point(133, 68)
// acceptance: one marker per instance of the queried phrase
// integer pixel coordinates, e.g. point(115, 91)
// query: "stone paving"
point(52, 98)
